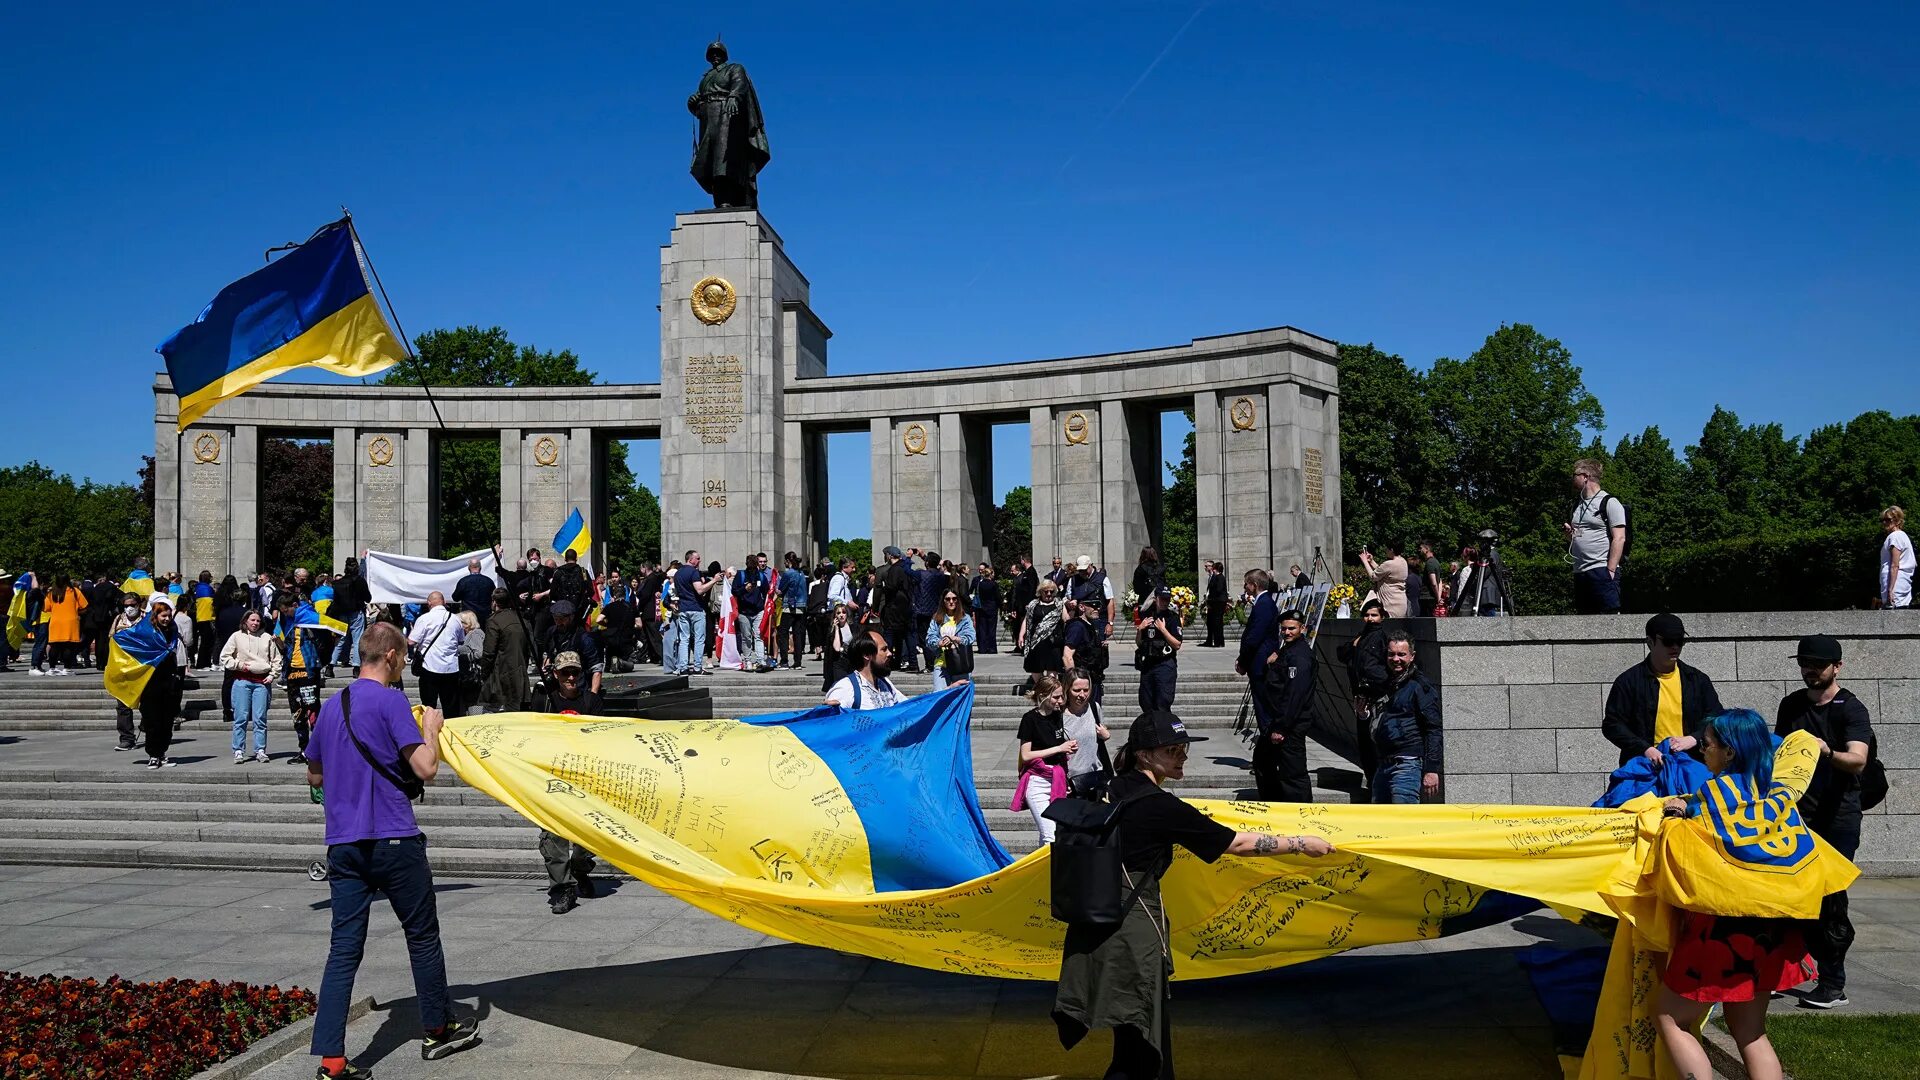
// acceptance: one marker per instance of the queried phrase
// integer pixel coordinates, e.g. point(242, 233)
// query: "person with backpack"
point(867, 685)
point(1114, 974)
point(1835, 797)
point(1082, 645)
point(1596, 542)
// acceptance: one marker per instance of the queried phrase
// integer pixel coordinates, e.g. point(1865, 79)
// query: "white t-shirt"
point(1083, 727)
point(879, 695)
point(1897, 540)
point(1593, 533)
point(443, 647)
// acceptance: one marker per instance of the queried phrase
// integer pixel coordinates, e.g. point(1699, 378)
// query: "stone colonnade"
point(742, 413)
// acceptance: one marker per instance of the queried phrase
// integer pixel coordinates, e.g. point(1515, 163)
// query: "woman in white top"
point(253, 655)
point(1389, 579)
point(1896, 560)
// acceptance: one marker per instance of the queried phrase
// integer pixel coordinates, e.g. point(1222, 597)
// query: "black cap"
point(1163, 593)
point(1293, 615)
point(1822, 647)
point(1667, 625)
point(891, 552)
point(1156, 728)
point(561, 607)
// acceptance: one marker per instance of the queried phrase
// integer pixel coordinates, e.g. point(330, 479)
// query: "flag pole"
point(405, 342)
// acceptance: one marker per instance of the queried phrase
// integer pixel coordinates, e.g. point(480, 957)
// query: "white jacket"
point(251, 654)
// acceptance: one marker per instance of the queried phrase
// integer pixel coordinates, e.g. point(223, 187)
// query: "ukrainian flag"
point(574, 536)
point(17, 611)
point(315, 617)
point(131, 658)
point(140, 583)
point(310, 308)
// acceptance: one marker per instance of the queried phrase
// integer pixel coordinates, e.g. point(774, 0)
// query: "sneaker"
point(349, 1071)
point(153, 763)
point(61, 670)
point(165, 763)
point(239, 757)
point(36, 671)
point(458, 1035)
point(117, 746)
point(261, 756)
point(1825, 997)
point(583, 887)
point(297, 759)
point(563, 903)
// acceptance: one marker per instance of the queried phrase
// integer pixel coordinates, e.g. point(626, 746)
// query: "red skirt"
point(1735, 958)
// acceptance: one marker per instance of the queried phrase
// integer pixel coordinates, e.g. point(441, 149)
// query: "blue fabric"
point(793, 590)
point(1677, 774)
point(924, 834)
point(249, 702)
point(1397, 780)
point(266, 309)
point(1567, 982)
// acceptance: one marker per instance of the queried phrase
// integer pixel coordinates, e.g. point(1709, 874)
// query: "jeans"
point(1156, 685)
point(746, 639)
point(347, 652)
point(1596, 592)
point(250, 700)
point(1397, 780)
point(1829, 938)
point(670, 644)
point(690, 632)
point(398, 868)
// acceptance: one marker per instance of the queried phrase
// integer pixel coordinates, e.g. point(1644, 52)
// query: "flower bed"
point(52, 1028)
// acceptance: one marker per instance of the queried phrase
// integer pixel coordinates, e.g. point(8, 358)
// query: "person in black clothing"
point(895, 601)
point(1157, 650)
point(570, 583)
point(474, 593)
point(1116, 976)
point(350, 600)
point(1633, 721)
point(646, 601)
point(103, 599)
point(1216, 601)
point(1831, 805)
point(929, 585)
point(1301, 579)
point(229, 609)
point(537, 604)
point(1407, 738)
point(1026, 585)
point(1148, 576)
point(1368, 676)
point(567, 635)
point(986, 610)
point(1280, 750)
point(1082, 645)
point(160, 700)
point(568, 864)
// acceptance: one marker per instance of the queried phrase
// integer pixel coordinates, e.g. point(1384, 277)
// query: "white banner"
point(407, 579)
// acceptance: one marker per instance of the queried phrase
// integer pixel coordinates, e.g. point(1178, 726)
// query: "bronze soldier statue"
point(730, 148)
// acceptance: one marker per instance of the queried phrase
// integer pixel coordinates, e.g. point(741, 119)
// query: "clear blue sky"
point(1709, 203)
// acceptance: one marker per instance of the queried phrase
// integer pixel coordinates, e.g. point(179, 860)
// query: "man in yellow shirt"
point(1659, 698)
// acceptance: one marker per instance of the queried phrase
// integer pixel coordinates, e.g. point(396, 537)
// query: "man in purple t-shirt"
point(364, 748)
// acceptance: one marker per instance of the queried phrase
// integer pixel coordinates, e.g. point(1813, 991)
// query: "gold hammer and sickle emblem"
point(206, 448)
point(914, 438)
point(1241, 413)
point(546, 451)
point(1076, 428)
point(379, 451)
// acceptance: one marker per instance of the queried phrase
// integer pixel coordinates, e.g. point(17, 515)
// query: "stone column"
point(1333, 546)
point(962, 535)
point(381, 504)
point(206, 501)
point(583, 472)
point(915, 445)
point(545, 483)
point(1043, 434)
point(244, 491)
point(880, 456)
point(1078, 483)
point(1245, 475)
point(513, 533)
point(1316, 430)
point(345, 487)
point(1284, 486)
point(725, 283)
point(167, 487)
point(1210, 498)
point(421, 527)
point(1123, 512)
point(796, 526)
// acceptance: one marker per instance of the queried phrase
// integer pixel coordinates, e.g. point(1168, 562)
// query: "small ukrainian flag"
point(310, 308)
point(574, 536)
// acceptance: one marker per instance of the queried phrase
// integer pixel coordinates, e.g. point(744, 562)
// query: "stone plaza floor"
point(636, 984)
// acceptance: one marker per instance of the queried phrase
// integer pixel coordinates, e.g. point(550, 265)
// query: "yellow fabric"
point(125, 678)
point(142, 586)
point(1668, 720)
point(17, 618)
point(352, 341)
point(1684, 864)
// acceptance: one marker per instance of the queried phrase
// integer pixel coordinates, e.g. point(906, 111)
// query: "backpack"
point(1873, 778)
point(1091, 886)
point(1626, 521)
point(1096, 656)
point(570, 584)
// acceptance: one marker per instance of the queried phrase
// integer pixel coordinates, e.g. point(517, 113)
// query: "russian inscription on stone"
point(713, 397)
point(1313, 473)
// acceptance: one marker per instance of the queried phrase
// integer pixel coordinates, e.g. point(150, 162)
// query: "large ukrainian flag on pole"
point(309, 308)
point(574, 536)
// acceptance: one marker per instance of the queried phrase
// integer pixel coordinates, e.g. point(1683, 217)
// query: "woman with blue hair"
point(1735, 960)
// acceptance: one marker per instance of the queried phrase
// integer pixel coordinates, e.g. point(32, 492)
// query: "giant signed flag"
point(132, 655)
point(309, 308)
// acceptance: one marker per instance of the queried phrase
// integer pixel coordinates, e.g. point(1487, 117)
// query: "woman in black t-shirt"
point(1116, 976)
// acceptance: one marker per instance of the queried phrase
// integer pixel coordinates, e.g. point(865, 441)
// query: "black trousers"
point(1134, 1058)
point(1280, 769)
point(567, 863)
point(986, 627)
point(791, 637)
point(650, 646)
point(1156, 685)
point(918, 644)
point(1831, 935)
point(442, 692)
point(1216, 624)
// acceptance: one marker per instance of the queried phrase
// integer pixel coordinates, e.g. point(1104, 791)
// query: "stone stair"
point(67, 798)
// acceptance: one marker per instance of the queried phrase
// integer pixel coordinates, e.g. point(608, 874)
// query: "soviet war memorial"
point(1245, 597)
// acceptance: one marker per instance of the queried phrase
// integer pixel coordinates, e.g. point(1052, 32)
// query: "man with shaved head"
point(436, 639)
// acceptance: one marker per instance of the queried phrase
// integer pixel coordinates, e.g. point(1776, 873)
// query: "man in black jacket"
point(896, 607)
point(1660, 697)
point(1280, 751)
point(1026, 585)
point(1216, 606)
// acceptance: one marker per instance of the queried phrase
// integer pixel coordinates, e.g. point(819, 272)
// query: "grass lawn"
point(1855, 1047)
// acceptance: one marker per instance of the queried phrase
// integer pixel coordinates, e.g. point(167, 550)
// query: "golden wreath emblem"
point(713, 300)
point(1241, 413)
point(546, 451)
point(206, 448)
point(379, 451)
point(1076, 428)
point(914, 438)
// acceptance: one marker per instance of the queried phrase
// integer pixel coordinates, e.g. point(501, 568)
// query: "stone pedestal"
point(734, 332)
point(205, 458)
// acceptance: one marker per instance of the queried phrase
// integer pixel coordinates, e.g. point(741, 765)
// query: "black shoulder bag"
point(1090, 883)
point(409, 784)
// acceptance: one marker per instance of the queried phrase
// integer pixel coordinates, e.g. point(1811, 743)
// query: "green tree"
point(1012, 534)
point(296, 507)
point(1646, 474)
point(50, 524)
point(1512, 413)
point(1742, 480)
point(633, 515)
point(469, 469)
point(1180, 517)
point(860, 550)
point(1395, 465)
point(1853, 471)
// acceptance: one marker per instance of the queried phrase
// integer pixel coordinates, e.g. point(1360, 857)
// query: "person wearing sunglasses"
point(1660, 701)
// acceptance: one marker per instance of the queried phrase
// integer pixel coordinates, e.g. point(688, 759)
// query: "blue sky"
point(1709, 203)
